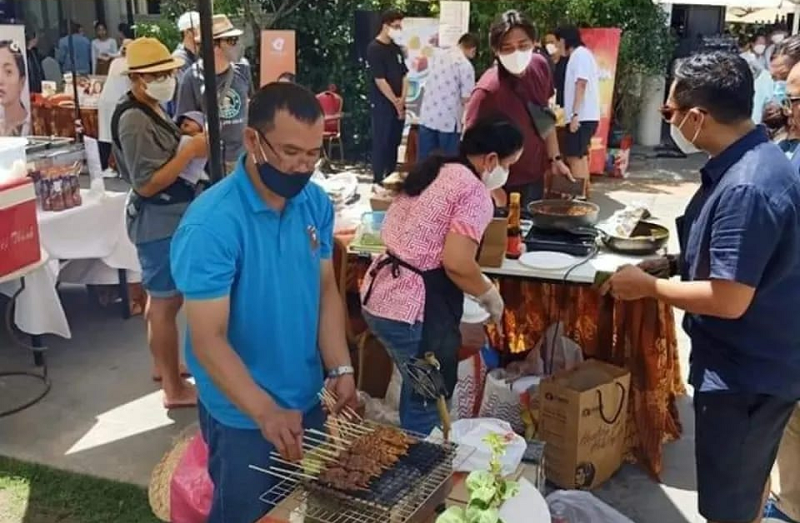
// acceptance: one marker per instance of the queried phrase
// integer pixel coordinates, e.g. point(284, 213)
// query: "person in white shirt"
point(104, 49)
point(581, 99)
point(450, 82)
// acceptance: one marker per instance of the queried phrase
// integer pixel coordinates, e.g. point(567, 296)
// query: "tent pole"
point(70, 42)
point(205, 9)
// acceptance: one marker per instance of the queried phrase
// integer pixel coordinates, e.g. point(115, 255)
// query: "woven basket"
point(158, 491)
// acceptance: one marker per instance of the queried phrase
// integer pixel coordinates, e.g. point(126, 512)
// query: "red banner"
point(604, 44)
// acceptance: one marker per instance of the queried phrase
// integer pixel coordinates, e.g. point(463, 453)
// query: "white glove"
point(493, 303)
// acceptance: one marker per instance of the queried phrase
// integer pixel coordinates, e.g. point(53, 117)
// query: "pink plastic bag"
point(190, 487)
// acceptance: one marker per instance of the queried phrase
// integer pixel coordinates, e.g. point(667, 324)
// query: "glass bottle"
point(514, 241)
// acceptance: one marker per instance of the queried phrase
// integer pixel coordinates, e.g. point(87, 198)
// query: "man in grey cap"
point(233, 88)
point(189, 26)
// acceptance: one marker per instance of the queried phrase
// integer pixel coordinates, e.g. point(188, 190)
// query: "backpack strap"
point(180, 191)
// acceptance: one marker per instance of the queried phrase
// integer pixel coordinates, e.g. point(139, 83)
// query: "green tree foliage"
point(326, 50)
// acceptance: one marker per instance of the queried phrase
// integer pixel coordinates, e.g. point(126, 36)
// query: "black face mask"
point(282, 184)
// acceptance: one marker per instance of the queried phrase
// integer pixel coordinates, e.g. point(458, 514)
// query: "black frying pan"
point(646, 238)
point(563, 215)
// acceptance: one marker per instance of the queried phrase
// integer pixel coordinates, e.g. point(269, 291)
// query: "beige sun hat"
point(148, 55)
point(221, 27)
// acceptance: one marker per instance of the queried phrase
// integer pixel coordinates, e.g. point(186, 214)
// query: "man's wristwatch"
point(341, 370)
point(556, 158)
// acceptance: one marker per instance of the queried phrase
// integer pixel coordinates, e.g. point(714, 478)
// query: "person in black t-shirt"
point(388, 92)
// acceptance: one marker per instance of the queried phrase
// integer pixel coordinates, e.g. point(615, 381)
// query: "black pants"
point(530, 192)
point(105, 153)
point(387, 133)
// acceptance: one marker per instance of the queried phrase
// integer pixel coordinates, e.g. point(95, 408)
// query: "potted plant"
point(488, 490)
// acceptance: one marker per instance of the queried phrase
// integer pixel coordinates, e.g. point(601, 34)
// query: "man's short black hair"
point(507, 22)
point(570, 35)
point(289, 77)
point(719, 82)
point(391, 16)
point(278, 96)
point(468, 41)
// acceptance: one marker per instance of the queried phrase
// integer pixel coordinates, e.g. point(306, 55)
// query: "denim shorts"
point(736, 442)
point(156, 273)
point(241, 494)
point(402, 342)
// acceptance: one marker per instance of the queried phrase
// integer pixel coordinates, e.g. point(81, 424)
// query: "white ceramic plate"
point(547, 260)
point(473, 312)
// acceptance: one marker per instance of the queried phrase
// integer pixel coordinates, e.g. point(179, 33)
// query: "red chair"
point(332, 105)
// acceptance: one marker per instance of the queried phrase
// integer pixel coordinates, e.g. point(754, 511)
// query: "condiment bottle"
point(514, 241)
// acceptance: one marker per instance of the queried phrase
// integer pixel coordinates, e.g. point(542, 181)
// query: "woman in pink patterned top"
point(413, 295)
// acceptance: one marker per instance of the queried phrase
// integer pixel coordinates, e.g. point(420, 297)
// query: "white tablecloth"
point(87, 245)
point(604, 261)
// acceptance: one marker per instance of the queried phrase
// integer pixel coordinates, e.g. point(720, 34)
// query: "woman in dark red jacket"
point(520, 77)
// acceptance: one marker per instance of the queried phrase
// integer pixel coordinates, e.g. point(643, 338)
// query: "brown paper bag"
point(583, 416)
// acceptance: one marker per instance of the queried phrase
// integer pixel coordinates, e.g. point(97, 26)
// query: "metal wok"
point(646, 238)
point(563, 215)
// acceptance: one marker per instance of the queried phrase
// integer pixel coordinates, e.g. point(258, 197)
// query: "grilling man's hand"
point(344, 388)
point(284, 429)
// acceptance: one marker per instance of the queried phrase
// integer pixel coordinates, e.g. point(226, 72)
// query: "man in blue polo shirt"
point(740, 285)
point(252, 257)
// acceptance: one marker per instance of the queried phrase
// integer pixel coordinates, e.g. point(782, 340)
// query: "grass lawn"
point(32, 493)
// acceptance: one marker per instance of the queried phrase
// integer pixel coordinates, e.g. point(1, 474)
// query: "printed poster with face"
point(15, 100)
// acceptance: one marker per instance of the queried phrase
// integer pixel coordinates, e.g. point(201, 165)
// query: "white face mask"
point(685, 145)
point(516, 62)
point(495, 178)
point(161, 90)
point(759, 48)
point(551, 49)
point(395, 34)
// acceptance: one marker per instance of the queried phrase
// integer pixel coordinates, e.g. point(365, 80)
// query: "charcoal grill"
point(408, 492)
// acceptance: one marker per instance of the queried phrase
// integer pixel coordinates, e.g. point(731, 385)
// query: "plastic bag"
point(500, 401)
point(191, 488)
point(558, 352)
point(470, 433)
point(580, 506)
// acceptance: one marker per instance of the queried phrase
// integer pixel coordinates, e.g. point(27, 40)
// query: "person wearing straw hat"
point(189, 26)
point(148, 157)
point(233, 88)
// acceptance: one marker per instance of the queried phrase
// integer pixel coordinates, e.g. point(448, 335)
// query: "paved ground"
point(104, 416)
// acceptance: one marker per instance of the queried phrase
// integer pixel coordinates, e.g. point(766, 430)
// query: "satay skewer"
point(318, 451)
point(320, 433)
point(347, 410)
point(302, 465)
point(274, 473)
point(293, 473)
point(311, 441)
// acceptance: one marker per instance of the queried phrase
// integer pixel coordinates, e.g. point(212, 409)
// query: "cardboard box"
point(583, 416)
point(19, 228)
point(493, 247)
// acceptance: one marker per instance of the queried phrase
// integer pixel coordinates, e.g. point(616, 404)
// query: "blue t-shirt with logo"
point(230, 243)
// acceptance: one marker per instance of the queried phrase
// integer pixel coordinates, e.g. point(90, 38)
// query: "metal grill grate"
point(418, 483)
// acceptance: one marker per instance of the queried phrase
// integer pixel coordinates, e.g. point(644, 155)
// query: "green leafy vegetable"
point(487, 489)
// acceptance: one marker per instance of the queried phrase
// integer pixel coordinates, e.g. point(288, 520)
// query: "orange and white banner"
point(278, 54)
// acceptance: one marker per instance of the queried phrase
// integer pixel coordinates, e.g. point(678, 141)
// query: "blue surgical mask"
point(283, 184)
point(779, 91)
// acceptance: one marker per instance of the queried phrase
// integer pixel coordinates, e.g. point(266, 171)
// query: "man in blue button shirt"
point(740, 285)
point(252, 258)
point(81, 49)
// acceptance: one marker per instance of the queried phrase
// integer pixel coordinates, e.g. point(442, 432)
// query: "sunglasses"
point(232, 41)
point(667, 112)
